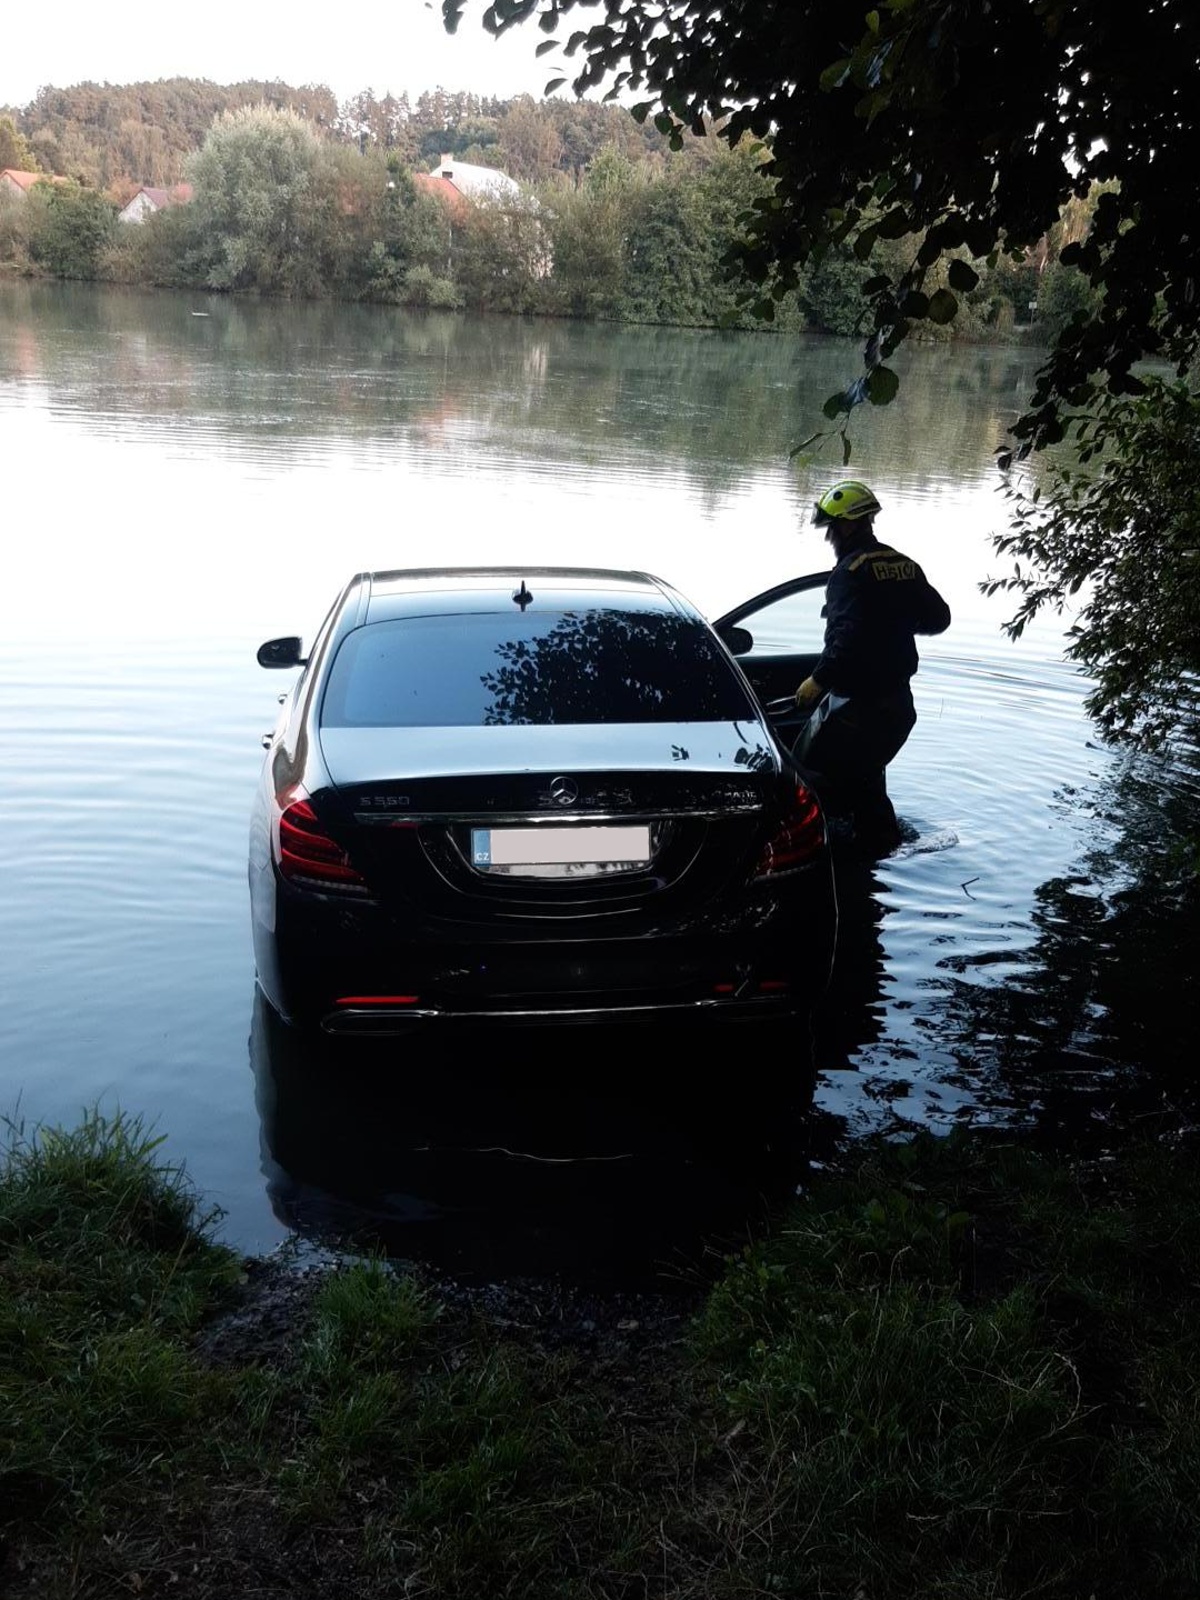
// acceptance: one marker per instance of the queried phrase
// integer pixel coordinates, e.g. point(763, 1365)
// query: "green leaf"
point(943, 307)
point(835, 74)
point(979, 238)
point(555, 83)
point(835, 405)
point(846, 448)
point(882, 386)
point(873, 21)
point(546, 44)
point(895, 224)
point(962, 277)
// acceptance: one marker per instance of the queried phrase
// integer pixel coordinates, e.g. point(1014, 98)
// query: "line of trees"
point(625, 231)
point(116, 137)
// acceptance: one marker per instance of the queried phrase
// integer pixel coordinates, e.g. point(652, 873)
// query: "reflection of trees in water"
point(715, 403)
point(1076, 1034)
point(605, 666)
point(1104, 1011)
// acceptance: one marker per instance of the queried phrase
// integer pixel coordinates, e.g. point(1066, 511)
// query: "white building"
point(148, 200)
point(477, 183)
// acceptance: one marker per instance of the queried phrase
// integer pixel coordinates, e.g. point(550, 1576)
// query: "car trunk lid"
point(567, 821)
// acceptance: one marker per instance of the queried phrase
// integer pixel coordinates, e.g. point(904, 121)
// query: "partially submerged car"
point(539, 796)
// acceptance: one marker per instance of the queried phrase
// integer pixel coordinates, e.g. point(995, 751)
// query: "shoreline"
point(952, 1368)
point(1021, 337)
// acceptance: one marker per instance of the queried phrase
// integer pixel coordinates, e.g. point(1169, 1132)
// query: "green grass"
point(954, 1370)
point(105, 1266)
point(965, 1371)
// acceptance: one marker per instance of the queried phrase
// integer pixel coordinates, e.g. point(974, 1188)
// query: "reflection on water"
point(363, 435)
point(206, 482)
point(576, 1151)
point(1075, 1022)
point(704, 404)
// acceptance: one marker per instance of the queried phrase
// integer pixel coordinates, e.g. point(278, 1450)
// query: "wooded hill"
point(118, 136)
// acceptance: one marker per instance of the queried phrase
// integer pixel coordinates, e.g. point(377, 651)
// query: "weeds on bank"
point(476, 1463)
point(105, 1265)
point(955, 1371)
point(966, 1371)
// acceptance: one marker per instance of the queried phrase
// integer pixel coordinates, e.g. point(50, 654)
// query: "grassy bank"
point(955, 1370)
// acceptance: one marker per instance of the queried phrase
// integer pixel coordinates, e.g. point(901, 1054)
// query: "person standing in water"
point(859, 691)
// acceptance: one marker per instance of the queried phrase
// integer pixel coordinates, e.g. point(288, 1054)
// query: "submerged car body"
point(543, 796)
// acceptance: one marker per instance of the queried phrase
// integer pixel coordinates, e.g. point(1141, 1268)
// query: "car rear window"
point(480, 669)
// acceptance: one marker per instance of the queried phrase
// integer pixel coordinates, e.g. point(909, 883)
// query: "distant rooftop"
point(26, 180)
point(477, 183)
point(440, 188)
point(178, 195)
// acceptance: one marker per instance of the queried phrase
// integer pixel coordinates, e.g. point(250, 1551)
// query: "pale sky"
point(378, 44)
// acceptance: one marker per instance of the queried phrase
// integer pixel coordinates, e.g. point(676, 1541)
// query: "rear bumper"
point(354, 970)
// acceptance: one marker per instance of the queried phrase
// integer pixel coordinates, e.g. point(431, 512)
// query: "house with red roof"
point(148, 200)
point(14, 181)
point(472, 182)
point(461, 185)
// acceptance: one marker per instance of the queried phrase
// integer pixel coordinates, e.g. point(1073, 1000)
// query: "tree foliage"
point(68, 228)
point(953, 123)
point(409, 259)
point(117, 136)
point(1121, 530)
point(257, 202)
point(104, 134)
point(15, 150)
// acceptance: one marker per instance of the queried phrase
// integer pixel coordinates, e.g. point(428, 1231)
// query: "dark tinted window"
point(486, 668)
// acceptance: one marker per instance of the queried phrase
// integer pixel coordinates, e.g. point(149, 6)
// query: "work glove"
point(809, 692)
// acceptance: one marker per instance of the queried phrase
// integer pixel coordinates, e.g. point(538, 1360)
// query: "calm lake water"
point(185, 477)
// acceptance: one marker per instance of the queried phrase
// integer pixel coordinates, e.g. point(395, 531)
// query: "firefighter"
point(859, 695)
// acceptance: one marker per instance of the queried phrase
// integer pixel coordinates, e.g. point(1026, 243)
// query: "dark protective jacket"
point(875, 601)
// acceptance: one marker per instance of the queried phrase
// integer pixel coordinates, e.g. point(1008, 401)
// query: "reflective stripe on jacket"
point(875, 601)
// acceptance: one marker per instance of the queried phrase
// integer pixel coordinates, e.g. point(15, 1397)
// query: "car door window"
point(785, 620)
point(791, 624)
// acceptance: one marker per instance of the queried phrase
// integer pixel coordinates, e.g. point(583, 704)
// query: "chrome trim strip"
point(506, 819)
point(386, 1015)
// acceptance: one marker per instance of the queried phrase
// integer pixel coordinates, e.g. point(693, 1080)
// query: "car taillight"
point(798, 839)
point(308, 857)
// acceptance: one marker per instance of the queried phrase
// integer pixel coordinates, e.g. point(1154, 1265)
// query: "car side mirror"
point(281, 652)
point(738, 641)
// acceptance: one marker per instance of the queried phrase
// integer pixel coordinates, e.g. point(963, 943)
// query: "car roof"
point(426, 590)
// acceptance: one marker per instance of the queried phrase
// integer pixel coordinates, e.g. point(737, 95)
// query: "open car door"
point(776, 639)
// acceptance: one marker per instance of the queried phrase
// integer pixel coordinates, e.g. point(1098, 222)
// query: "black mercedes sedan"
point(530, 795)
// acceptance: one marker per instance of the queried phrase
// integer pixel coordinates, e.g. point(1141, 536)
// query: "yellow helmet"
point(845, 502)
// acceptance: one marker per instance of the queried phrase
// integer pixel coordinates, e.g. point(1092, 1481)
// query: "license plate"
point(560, 847)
